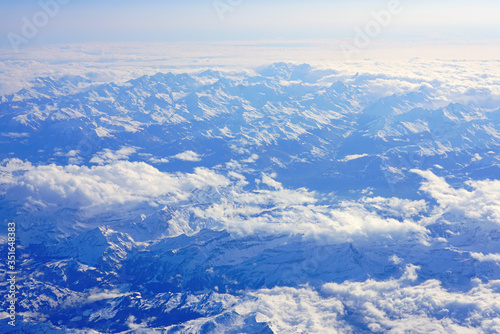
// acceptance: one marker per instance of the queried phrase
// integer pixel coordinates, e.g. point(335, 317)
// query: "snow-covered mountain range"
point(281, 200)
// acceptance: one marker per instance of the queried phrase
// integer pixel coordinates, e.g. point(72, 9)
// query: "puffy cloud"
point(296, 212)
point(269, 180)
point(391, 306)
point(73, 156)
point(396, 207)
point(116, 183)
point(485, 257)
point(398, 305)
point(482, 202)
point(241, 180)
point(275, 210)
point(253, 158)
point(297, 310)
point(226, 204)
point(10, 169)
point(188, 156)
point(159, 160)
point(107, 156)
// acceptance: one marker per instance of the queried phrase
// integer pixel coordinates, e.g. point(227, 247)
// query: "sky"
point(128, 38)
point(238, 20)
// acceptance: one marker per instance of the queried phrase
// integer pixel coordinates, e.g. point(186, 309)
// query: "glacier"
point(285, 199)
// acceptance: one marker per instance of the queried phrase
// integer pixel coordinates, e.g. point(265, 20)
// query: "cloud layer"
point(392, 306)
point(116, 183)
point(269, 209)
point(481, 202)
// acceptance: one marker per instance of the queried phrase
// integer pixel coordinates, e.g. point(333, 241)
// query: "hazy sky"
point(219, 20)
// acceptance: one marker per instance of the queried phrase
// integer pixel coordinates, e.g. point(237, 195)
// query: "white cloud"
point(10, 169)
point(285, 211)
point(485, 257)
point(273, 211)
point(188, 156)
point(159, 160)
point(116, 183)
point(102, 295)
point(293, 310)
point(482, 202)
point(353, 157)
point(241, 180)
point(107, 156)
point(398, 305)
point(73, 156)
point(269, 180)
point(401, 305)
point(396, 207)
point(253, 158)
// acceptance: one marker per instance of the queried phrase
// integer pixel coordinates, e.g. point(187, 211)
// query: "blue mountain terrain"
point(269, 201)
